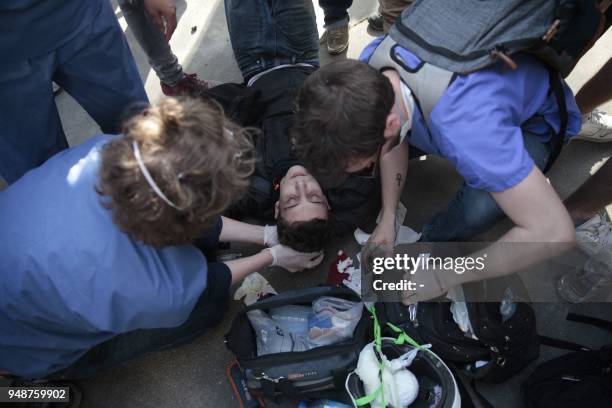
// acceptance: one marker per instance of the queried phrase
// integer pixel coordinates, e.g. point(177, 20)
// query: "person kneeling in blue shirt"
point(97, 264)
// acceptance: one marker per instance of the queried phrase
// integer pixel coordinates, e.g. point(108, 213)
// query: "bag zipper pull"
point(552, 30)
point(264, 376)
point(412, 312)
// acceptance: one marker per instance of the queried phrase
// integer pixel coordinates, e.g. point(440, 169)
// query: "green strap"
point(368, 398)
point(405, 338)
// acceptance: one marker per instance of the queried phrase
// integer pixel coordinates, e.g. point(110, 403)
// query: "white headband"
point(149, 179)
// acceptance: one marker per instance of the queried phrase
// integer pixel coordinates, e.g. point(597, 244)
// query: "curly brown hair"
point(197, 157)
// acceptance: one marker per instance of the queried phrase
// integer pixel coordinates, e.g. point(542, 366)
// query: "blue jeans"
point(95, 67)
point(473, 211)
point(267, 33)
point(336, 12)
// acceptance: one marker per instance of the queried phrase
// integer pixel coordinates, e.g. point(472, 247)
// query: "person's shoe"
point(337, 39)
point(375, 22)
point(596, 127)
point(190, 85)
point(594, 235)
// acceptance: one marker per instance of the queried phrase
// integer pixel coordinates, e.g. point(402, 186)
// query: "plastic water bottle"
point(595, 277)
point(292, 318)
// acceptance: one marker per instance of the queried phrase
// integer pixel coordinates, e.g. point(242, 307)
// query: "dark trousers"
point(95, 67)
point(336, 11)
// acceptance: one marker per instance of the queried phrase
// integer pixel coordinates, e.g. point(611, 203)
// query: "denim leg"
point(30, 127)
point(119, 350)
point(152, 41)
point(336, 12)
point(266, 33)
point(473, 211)
point(97, 69)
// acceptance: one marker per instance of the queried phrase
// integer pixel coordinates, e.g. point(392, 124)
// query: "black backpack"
point(508, 346)
point(582, 379)
point(307, 375)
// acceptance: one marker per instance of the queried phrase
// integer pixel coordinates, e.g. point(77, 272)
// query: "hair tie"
point(149, 179)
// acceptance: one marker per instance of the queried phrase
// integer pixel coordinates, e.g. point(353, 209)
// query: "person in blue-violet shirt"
point(97, 264)
point(494, 125)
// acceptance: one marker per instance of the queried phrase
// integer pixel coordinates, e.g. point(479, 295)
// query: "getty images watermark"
point(484, 270)
point(423, 262)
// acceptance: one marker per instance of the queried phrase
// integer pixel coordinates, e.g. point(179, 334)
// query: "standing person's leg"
point(31, 130)
point(98, 70)
point(265, 34)
point(594, 194)
point(474, 211)
point(152, 41)
point(173, 80)
point(336, 24)
point(391, 10)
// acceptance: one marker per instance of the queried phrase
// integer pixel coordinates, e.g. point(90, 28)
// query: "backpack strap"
point(427, 82)
point(593, 321)
point(558, 139)
point(561, 344)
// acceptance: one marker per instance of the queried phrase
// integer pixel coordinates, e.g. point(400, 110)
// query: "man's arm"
point(393, 169)
point(236, 231)
point(539, 218)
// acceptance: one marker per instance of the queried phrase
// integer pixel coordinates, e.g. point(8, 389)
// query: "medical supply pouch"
point(316, 373)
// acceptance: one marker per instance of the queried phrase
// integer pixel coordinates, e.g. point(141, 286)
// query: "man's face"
point(301, 197)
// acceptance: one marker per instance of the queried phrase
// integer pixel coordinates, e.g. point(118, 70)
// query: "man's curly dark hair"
point(305, 236)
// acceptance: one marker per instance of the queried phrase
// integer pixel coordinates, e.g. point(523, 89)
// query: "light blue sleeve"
point(477, 126)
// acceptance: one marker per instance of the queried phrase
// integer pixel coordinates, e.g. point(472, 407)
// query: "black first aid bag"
point(507, 346)
point(305, 375)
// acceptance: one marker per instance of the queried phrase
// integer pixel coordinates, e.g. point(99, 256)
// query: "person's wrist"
point(267, 256)
point(388, 217)
point(262, 235)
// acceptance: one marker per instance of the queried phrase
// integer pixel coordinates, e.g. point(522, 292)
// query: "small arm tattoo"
point(398, 177)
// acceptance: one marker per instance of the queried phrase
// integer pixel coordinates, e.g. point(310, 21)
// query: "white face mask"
point(405, 120)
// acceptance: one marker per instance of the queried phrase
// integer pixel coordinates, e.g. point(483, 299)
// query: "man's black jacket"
point(269, 105)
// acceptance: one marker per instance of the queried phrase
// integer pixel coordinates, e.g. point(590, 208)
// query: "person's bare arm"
point(237, 231)
point(393, 169)
point(163, 14)
point(536, 210)
point(540, 221)
point(240, 268)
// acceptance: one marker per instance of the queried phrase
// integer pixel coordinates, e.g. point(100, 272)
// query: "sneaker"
point(375, 22)
point(190, 85)
point(337, 39)
point(594, 234)
point(596, 127)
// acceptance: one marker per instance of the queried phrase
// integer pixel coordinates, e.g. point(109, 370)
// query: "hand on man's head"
point(292, 260)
